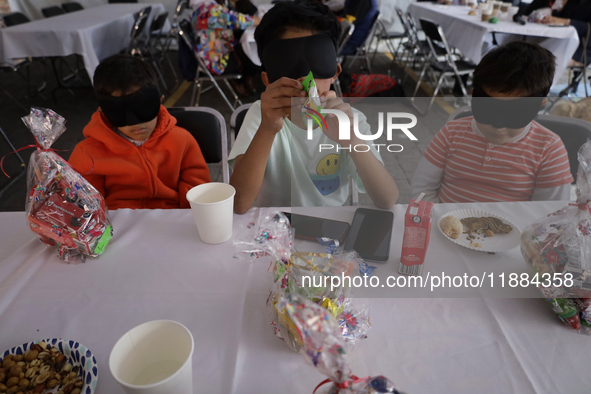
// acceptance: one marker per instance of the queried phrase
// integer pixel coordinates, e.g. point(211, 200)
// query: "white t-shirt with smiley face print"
point(298, 174)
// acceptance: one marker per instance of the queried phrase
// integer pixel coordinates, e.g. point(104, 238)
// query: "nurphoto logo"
point(345, 130)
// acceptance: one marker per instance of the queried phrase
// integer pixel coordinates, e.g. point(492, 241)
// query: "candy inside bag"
point(311, 107)
point(559, 246)
point(325, 349)
point(62, 207)
point(305, 275)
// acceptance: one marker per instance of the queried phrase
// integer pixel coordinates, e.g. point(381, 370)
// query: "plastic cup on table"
point(512, 11)
point(212, 205)
point(486, 15)
point(154, 358)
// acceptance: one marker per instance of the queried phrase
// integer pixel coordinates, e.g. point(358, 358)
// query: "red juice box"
point(417, 229)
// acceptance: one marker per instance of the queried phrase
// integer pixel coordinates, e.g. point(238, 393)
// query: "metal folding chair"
point(363, 50)
point(347, 29)
point(448, 67)
point(236, 121)
point(203, 74)
point(48, 12)
point(72, 7)
point(208, 127)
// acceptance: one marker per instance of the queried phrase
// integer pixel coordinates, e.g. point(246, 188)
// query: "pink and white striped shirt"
point(474, 170)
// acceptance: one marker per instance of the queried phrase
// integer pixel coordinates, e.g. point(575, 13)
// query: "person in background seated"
point(214, 24)
point(576, 13)
point(134, 154)
point(364, 13)
point(500, 153)
point(274, 162)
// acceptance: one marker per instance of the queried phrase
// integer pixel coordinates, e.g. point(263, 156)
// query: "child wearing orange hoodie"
point(134, 154)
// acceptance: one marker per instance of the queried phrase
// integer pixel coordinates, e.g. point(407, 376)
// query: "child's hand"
point(276, 103)
point(331, 101)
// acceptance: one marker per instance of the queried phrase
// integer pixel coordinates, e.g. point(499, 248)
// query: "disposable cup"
point(154, 358)
point(483, 7)
point(449, 2)
point(505, 7)
point(212, 205)
point(486, 15)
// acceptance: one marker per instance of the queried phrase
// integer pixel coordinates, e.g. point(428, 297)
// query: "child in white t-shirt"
point(274, 162)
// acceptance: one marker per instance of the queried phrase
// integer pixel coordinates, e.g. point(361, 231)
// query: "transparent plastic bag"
point(304, 275)
point(324, 348)
point(558, 247)
point(61, 206)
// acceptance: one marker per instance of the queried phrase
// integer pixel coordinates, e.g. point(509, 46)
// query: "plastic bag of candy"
point(311, 106)
point(558, 247)
point(324, 348)
point(62, 207)
point(305, 275)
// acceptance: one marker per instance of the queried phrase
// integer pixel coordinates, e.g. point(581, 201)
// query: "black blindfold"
point(512, 114)
point(139, 107)
point(296, 57)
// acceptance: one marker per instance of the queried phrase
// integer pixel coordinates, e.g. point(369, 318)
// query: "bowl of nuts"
point(53, 365)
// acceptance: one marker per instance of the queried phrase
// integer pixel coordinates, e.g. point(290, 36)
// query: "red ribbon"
point(354, 379)
point(582, 207)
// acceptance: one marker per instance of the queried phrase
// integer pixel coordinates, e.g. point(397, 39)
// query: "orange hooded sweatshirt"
point(157, 174)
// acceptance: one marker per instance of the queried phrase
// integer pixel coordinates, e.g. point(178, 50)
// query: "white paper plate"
point(495, 244)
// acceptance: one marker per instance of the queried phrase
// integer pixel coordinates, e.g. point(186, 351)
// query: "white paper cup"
point(154, 358)
point(213, 210)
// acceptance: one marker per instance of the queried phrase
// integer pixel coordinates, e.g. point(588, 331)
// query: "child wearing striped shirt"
point(500, 153)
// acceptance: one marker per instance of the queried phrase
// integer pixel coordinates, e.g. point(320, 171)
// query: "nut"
point(51, 384)
point(6, 364)
point(67, 367)
point(489, 233)
point(23, 383)
point(15, 371)
point(12, 390)
point(30, 373)
point(59, 366)
point(75, 391)
point(42, 355)
point(2, 377)
point(79, 383)
point(2, 388)
point(37, 347)
point(68, 388)
point(44, 369)
point(31, 355)
point(42, 377)
point(39, 388)
point(72, 375)
point(12, 382)
point(60, 358)
point(18, 357)
point(43, 345)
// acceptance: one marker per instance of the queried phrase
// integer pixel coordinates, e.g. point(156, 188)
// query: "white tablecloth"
point(157, 268)
point(32, 8)
point(95, 33)
point(473, 37)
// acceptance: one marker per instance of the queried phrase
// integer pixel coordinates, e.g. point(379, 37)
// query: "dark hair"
point(517, 66)
point(125, 73)
point(301, 14)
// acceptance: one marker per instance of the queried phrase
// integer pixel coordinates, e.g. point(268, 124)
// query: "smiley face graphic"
point(328, 165)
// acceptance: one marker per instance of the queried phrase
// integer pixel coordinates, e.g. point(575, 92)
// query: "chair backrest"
point(15, 18)
point(403, 22)
point(347, 29)
point(72, 7)
point(573, 132)
point(436, 37)
point(52, 11)
point(186, 33)
point(372, 31)
point(238, 117)
point(181, 6)
point(414, 31)
point(208, 127)
point(140, 23)
point(158, 22)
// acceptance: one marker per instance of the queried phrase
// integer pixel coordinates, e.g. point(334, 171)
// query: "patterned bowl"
point(76, 353)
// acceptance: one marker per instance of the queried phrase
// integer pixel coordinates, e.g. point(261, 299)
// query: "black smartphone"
point(370, 234)
point(312, 228)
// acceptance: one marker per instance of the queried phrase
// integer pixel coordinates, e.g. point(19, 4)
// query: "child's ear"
point(339, 71)
point(265, 78)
